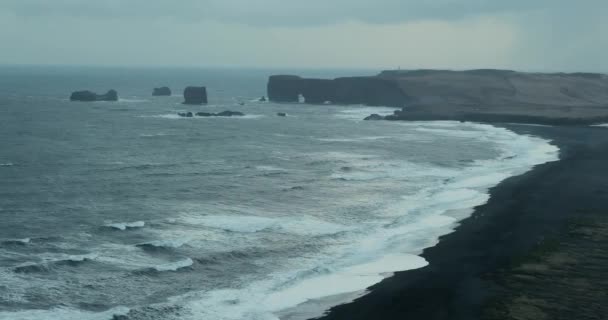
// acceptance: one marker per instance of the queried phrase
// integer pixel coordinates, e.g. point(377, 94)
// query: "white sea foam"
point(151, 135)
point(358, 114)
point(354, 139)
point(63, 314)
point(126, 225)
point(270, 168)
point(300, 225)
point(412, 224)
point(20, 241)
point(167, 243)
point(131, 100)
point(174, 266)
point(7, 164)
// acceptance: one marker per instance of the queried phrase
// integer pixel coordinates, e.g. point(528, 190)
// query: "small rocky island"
point(195, 95)
point(162, 91)
point(89, 96)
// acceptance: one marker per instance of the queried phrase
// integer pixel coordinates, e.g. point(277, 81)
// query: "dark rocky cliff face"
point(373, 91)
point(195, 95)
point(284, 88)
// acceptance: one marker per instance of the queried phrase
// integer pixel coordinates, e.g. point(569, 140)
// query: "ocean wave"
point(7, 164)
point(63, 314)
point(164, 244)
point(355, 139)
point(358, 114)
point(297, 225)
point(55, 260)
point(20, 242)
point(132, 100)
point(152, 135)
point(174, 266)
point(126, 225)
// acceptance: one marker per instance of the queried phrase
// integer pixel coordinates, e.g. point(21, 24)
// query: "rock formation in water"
point(282, 114)
point(374, 116)
point(86, 95)
point(195, 95)
point(162, 91)
point(208, 114)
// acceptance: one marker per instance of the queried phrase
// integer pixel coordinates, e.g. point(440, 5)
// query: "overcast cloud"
point(519, 34)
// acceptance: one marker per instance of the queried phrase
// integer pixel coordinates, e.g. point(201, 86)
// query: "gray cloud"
point(287, 12)
point(521, 34)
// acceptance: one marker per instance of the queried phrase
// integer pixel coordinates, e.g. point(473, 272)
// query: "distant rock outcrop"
point(86, 95)
point(162, 91)
point(282, 114)
point(185, 114)
point(195, 95)
point(229, 114)
point(374, 116)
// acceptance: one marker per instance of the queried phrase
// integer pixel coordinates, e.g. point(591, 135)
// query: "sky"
point(528, 35)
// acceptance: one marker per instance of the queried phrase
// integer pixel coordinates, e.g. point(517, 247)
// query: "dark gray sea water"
point(123, 208)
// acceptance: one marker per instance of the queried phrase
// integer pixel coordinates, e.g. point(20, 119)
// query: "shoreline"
point(468, 267)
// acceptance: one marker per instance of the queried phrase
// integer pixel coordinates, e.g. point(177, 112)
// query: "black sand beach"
point(536, 250)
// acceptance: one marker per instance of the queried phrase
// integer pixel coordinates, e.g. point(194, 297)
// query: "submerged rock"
point(86, 95)
point(162, 91)
point(208, 114)
point(195, 95)
point(374, 116)
point(229, 114)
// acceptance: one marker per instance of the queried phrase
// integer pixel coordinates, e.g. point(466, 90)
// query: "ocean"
point(126, 210)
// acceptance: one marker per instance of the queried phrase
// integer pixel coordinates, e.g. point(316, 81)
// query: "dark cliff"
point(485, 95)
point(373, 91)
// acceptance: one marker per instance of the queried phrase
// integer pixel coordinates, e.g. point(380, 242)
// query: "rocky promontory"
point(373, 91)
point(88, 96)
point(484, 95)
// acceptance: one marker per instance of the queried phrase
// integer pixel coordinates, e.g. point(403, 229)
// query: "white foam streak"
point(63, 314)
point(127, 225)
point(174, 266)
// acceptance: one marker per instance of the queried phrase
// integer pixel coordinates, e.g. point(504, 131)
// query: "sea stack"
point(86, 95)
point(162, 91)
point(195, 95)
